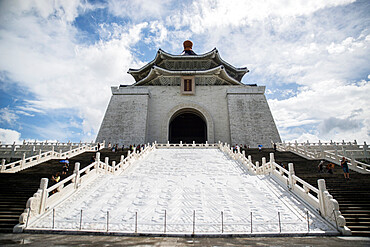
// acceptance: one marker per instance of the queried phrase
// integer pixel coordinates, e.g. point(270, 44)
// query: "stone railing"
point(17, 151)
point(319, 199)
point(25, 163)
point(330, 153)
point(46, 198)
point(186, 145)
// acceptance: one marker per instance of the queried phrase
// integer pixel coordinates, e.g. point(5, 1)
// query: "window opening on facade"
point(188, 85)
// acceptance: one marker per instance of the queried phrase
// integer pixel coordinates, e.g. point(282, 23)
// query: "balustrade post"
point(122, 158)
point(250, 158)
point(2, 165)
point(321, 150)
point(272, 157)
point(272, 161)
point(114, 167)
point(322, 189)
point(44, 194)
point(263, 165)
point(291, 173)
point(40, 152)
point(13, 150)
point(52, 151)
point(106, 163)
point(365, 150)
point(353, 161)
point(97, 160)
point(77, 173)
point(23, 160)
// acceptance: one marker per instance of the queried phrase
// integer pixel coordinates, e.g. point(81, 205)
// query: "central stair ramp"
point(47, 197)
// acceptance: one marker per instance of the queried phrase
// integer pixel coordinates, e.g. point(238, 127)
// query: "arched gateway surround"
point(187, 126)
point(192, 120)
point(174, 94)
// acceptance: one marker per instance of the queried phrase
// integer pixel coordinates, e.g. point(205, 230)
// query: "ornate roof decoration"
point(219, 72)
point(166, 64)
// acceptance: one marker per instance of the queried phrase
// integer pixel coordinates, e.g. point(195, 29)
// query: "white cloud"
point(210, 14)
point(8, 116)
point(139, 9)
point(8, 136)
point(44, 56)
point(334, 110)
point(294, 42)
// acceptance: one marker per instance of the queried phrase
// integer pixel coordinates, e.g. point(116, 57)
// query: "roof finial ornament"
point(188, 46)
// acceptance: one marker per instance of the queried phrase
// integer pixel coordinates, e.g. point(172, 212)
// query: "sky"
point(58, 60)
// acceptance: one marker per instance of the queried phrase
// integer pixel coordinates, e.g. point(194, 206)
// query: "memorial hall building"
point(188, 97)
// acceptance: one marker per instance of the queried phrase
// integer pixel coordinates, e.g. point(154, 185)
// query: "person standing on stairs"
point(321, 167)
point(344, 164)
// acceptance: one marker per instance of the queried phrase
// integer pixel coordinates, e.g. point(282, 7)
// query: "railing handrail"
point(334, 155)
point(24, 163)
point(55, 186)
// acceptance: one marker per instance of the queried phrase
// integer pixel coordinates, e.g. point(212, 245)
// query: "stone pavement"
point(91, 240)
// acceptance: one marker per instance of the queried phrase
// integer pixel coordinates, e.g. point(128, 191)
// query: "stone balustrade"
point(46, 198)
point(332, 152)
point(17, 151)
point(319, 199)
point(41, 157)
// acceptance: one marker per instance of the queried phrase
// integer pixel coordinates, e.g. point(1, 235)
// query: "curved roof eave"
point(243, 69)
point(211, 54)
point(157, 71)
point(157, 56)
point(161, 52)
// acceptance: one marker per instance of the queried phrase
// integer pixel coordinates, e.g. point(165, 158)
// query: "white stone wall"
point(126, 117)
point(209, 100)
point(251, 121)
point(233, 114)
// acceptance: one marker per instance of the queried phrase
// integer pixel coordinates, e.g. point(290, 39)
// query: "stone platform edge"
point(185, 235)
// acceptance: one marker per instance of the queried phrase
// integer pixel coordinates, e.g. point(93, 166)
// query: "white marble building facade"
point(188, 97)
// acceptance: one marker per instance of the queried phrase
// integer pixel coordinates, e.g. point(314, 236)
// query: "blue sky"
point(58, 60)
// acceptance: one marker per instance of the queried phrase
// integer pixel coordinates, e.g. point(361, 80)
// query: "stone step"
point(363, 223)
point(17, 188)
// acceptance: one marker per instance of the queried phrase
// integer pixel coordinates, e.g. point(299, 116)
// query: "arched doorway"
point(187, 126)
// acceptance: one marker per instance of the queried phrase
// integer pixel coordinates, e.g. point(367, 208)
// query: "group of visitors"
point(330, 167)
point(240, 147)
point(138, 147)
point(115, 148)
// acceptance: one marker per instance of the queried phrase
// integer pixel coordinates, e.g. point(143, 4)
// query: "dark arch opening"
point(187, 127)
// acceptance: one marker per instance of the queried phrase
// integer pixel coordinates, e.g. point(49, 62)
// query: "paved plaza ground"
point(91, 240)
